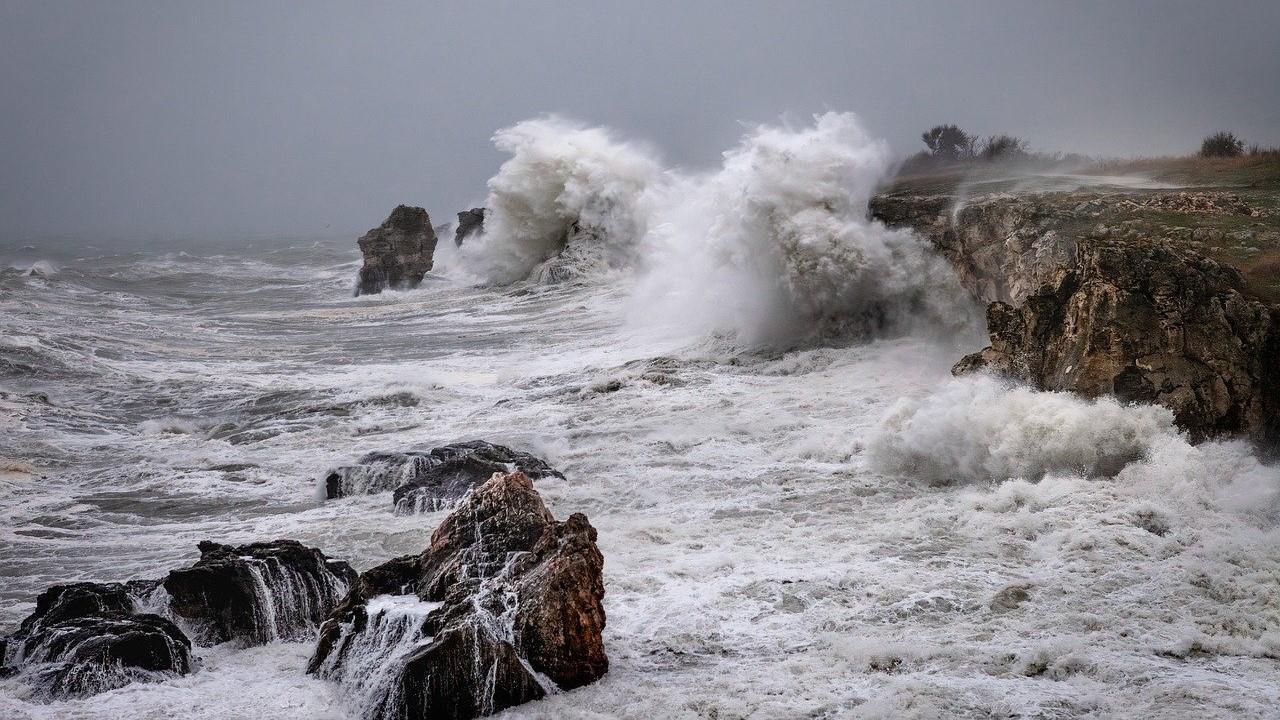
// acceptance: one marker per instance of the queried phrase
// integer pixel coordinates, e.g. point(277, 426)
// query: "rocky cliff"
point(1099, 293)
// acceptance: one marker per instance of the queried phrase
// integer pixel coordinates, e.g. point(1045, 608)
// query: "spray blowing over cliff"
point(772, 246)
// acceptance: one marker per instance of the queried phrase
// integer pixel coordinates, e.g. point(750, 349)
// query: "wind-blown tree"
point(1222, 144)
point(949, 142)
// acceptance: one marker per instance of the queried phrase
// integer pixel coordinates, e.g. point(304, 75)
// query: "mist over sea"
point(746, 383)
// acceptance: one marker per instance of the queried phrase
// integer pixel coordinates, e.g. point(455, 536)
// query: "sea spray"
point(564, 181)
point(774, 246)
point(777, 244)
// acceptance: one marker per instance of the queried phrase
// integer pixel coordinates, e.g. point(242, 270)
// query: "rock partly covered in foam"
point(470, 222)
point(86, 638)
point(1002, 246)
point(1147, 322)
point(257, 593)
point(503, 607)
point(435, 479)
point(397, 253)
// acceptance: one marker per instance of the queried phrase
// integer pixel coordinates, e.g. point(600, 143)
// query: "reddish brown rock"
point(503, 589)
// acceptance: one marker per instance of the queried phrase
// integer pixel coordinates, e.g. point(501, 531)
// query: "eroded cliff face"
point(1084, 299)
point(1003, 246)
point(1146, 322)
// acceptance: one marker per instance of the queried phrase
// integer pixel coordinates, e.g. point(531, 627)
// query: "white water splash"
point(368, 664)
point(561, 176)
point(771, 247)
point(777, 244)
point(983, 428)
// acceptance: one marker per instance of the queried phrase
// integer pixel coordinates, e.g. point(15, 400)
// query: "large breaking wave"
point(562, 177)
point(774, 244)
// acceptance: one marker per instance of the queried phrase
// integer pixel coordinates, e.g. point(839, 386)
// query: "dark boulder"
point(398, 253)
point(503, 607)
point(86, 638)
point(435, 479)
point(469, 222)
point(1147, 322)
point(257, 593)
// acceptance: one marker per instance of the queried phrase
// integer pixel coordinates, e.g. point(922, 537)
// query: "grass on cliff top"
point(1248, 172)
point(1251, 245)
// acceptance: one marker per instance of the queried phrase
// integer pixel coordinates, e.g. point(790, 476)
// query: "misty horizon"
point(154, 120)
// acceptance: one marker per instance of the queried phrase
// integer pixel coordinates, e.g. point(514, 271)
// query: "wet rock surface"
point(1002, 246)
point(86, 638)
point(397, 253)
point(257, 593)
point(469, 222)
point(1146, 322)
point(504, 606)
point(430, 480)
point(1088, 293)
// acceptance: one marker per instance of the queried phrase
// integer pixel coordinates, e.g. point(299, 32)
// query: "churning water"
point(800, 516)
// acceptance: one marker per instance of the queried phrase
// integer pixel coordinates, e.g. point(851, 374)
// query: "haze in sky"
point(236, 118)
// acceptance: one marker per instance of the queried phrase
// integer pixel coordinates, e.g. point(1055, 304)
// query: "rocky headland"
point(1164, 296)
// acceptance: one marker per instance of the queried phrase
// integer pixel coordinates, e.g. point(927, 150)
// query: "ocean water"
point(799, 519)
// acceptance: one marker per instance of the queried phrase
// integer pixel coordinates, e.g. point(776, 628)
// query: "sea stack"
point(397, 253)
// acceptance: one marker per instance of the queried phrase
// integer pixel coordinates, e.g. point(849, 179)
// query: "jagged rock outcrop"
point(504, 606)
point(426, 481)
point(469, 222)
point(1003, 246)
point(87, 638)
point(1146, 321)
point(397, 253)
point(257, 593)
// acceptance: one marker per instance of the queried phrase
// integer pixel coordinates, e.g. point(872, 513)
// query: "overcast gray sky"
point(223, 118)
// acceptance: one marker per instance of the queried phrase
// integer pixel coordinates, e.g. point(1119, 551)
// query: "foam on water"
point(777, 540)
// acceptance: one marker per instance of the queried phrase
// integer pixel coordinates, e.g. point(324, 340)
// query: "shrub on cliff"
point(1004, 147)
point(1222, 144)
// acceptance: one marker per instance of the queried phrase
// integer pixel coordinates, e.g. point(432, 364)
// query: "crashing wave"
point(566, 186)
point(774, 244)
point(778, 243)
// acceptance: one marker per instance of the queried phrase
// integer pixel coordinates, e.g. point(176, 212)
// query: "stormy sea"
point(745, 383)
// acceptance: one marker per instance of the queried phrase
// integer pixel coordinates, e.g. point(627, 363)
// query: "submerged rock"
point(503, 607)
point(469, 222)
point(86, 638)
point(435, 479)
point(1146, 322)
point(398, 253)
point(257, 593)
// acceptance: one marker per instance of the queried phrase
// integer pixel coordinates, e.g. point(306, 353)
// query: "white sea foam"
point(982, 428)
